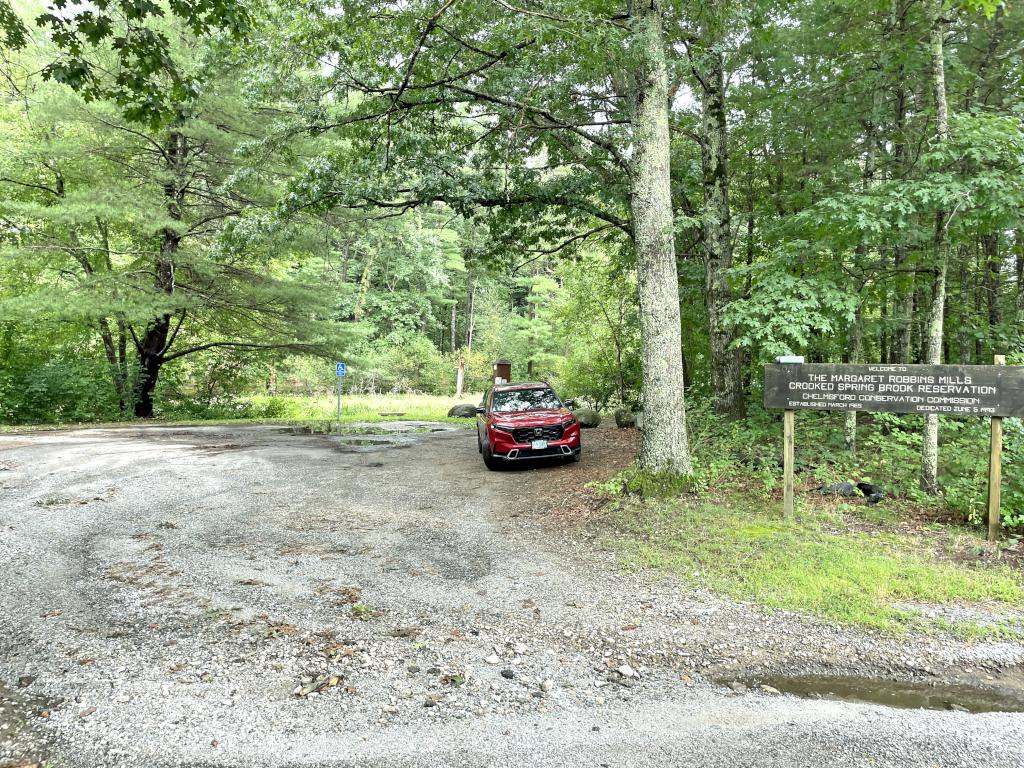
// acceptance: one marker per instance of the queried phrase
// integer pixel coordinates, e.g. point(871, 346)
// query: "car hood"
point(533, 418)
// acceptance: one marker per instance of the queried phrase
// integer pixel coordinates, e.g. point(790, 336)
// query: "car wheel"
point(490, 461)
point(479, 443)
point(577, 456)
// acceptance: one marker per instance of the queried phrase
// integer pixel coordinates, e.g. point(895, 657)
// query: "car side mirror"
point(570, 403)
point(481, 409)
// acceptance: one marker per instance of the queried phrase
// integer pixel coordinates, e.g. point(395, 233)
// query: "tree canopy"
point(643, 201)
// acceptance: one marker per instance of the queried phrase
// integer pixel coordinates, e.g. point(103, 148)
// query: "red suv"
point(526, 421)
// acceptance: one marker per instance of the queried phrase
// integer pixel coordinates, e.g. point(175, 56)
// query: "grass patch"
point(360, 408)
point(293, 409)
point(738, 549)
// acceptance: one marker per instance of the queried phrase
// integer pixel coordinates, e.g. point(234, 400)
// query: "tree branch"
point(239, 344)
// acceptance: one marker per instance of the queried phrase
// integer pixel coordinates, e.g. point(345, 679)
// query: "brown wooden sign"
point(951, 390)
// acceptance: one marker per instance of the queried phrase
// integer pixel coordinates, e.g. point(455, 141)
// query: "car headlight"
point(569, 422)
point(501, 428)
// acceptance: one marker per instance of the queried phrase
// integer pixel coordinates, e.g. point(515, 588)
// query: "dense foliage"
point(205, 200)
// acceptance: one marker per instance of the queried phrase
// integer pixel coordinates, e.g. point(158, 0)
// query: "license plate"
point(539, 444)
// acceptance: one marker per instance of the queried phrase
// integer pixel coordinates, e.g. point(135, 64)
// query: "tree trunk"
point(531, 317)
point(460, 376)
point(993, 290)
point(902, 344)
point(156, 340)
point(454, 327)
point(344, 259)
point(664, 446)
point(726, 384)
point(1020, 290)
point(364, 287)
point(904, 287)
point(856, 346)
point(933, 350)
point(963, 335)
point(119, 381)
point(470, 315)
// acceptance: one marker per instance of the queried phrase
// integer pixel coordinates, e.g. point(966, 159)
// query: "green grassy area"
point(359, 408)
point(828, 563)
point(299, 409)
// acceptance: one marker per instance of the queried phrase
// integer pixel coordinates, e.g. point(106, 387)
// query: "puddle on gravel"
point(17, 709)
point(941, 696)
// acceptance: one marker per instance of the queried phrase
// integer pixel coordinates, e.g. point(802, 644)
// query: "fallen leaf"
point(87, 711)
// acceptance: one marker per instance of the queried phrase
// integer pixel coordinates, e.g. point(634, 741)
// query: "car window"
point(525, 400)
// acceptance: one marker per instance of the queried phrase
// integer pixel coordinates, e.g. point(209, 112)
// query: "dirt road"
point(249, 596)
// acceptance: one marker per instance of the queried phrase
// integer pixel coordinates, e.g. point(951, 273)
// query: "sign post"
point(788, 458)
point(989, 391)
point(339, 371)
point(995, 470)
point(788, 447)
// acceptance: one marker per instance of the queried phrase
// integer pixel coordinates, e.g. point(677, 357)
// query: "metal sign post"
point(339, 371)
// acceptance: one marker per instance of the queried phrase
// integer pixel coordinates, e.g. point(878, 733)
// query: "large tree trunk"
point(726, 382)
point(933, 348)
point(157, 339)
point(664, 446)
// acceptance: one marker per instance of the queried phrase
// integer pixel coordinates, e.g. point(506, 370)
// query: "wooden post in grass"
point(995, 469)
point(788, 445)
point(788, 455)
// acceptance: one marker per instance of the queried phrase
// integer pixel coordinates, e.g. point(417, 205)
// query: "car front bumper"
point(552, 451)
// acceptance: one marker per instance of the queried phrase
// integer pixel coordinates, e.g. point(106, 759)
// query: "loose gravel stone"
point(207, 630)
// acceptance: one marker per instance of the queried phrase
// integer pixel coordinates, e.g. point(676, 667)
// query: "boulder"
point(463, 411)
point(587, 417)
point(625, 418)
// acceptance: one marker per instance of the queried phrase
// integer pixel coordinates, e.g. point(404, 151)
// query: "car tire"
point(490, 461)
point(576, 456)
point(479, 443)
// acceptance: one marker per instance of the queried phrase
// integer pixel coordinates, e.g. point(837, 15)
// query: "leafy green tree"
point(120, 50)
point(122, 226)
point(559, 107)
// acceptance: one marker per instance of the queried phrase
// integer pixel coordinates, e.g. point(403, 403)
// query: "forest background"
point(201, 209)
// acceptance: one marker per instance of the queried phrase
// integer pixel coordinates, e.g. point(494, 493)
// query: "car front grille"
point(526, 434)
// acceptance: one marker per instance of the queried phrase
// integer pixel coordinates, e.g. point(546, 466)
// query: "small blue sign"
point(339, 369)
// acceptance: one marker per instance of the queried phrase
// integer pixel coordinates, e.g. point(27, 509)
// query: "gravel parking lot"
point(256, 596)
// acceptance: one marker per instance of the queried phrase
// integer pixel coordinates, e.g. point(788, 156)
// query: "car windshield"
point(525, 400)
